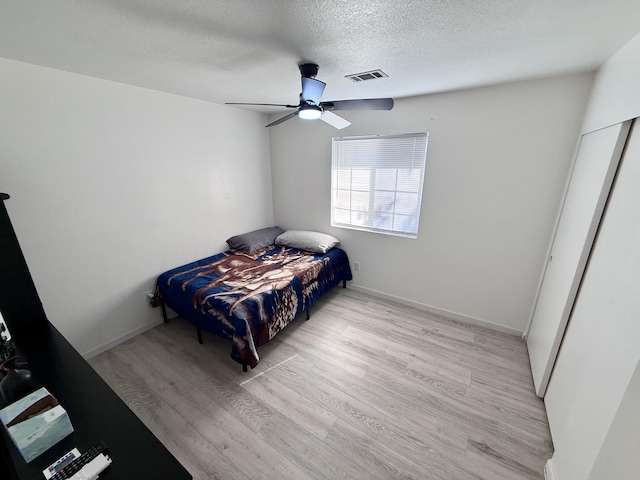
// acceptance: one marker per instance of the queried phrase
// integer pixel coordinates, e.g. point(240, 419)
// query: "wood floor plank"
point(407, 319)
point(329, 351)
point(331, 398)
point(396, 410)
point(400, 354)
point(372, 456)
point(364, 389)
point(493, 464)
point(510, 388)
point(226, 432)
point(195, 452)
point(460, 409)
point(210, 392)
point(309, 453)
point(313, 418)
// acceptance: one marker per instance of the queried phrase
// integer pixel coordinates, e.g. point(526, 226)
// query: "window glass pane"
point(361, 179)
point(342, 199)
point(360, 218)
point(342, 216)
point(404, 223)
point(377, 182)
point(343, 178)
point(383, 202)
point(409, 179)
point(407, 203)
point(385, 179)
point(383, 221)
point(360, 201)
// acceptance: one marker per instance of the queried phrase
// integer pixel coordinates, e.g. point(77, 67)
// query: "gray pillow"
point(315, 242)
point(251, 241)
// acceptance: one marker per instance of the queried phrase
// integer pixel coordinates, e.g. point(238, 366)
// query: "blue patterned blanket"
point(251, 297)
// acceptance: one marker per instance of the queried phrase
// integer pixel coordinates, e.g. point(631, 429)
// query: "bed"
point(248, 295)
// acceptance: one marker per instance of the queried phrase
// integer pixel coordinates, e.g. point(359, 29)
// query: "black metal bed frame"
point(163, 308)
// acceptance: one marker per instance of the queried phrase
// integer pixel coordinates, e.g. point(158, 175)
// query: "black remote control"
point(76, 465)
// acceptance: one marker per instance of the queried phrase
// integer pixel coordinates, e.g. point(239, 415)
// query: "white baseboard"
point(375, 293)
point(121, 339)
point(437, 311)
point(550, 470)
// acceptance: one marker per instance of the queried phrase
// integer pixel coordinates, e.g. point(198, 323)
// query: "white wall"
point(497, 163)
point(112, 184)
point(590, 383)
point(618, 458)
point(616, 96)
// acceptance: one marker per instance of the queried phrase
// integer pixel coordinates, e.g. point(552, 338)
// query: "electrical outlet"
point(356, 266)
point(149, 296)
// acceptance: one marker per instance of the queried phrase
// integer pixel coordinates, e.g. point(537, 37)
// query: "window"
point(376, 183)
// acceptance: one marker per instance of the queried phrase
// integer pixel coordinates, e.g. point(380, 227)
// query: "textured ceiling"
point(248, 50)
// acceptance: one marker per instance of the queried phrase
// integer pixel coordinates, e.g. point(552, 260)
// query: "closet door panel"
point(593, 171)
point(592, 400)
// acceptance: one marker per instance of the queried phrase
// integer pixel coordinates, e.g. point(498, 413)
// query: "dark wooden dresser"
point(96, 412)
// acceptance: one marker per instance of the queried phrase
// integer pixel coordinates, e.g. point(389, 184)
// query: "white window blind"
point(376, 182)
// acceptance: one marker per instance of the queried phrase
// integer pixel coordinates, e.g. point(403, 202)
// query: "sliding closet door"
point(593, 172)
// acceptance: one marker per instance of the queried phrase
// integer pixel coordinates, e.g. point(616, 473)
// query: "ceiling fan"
point(311, 108)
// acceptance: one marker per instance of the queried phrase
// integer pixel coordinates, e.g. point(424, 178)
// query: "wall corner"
point(550, 470)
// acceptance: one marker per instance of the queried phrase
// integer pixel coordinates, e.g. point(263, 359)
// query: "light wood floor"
point(366, 389)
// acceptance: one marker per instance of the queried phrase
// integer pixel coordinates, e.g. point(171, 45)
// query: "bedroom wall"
point(595, 377)
point(616, 96)
point(112, 184)
point(497, 163)
point(618, 458)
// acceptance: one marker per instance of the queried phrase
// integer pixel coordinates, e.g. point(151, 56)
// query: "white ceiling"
point(249, 50)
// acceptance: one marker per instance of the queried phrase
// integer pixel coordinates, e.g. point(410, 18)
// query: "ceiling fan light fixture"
point(310, 112)
point(311, 106)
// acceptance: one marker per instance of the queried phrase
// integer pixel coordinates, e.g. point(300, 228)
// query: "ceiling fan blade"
point(334, 120)
point(361, 104)
point(312, 90)
point(283, 119)
point(262, 104)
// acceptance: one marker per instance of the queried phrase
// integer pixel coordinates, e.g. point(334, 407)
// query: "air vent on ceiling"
point(372, 75)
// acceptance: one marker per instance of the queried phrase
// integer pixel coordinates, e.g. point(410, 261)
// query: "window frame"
point(374, 167)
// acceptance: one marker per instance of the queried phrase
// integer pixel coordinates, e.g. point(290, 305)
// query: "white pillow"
point(315, 242)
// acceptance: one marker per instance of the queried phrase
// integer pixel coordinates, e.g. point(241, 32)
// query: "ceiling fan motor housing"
point(309, 70)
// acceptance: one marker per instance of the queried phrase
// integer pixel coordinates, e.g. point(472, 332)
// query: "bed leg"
point(164, 310)
point(199, 332)
point(307, 312)
point(244, 367)
point(344, 284)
